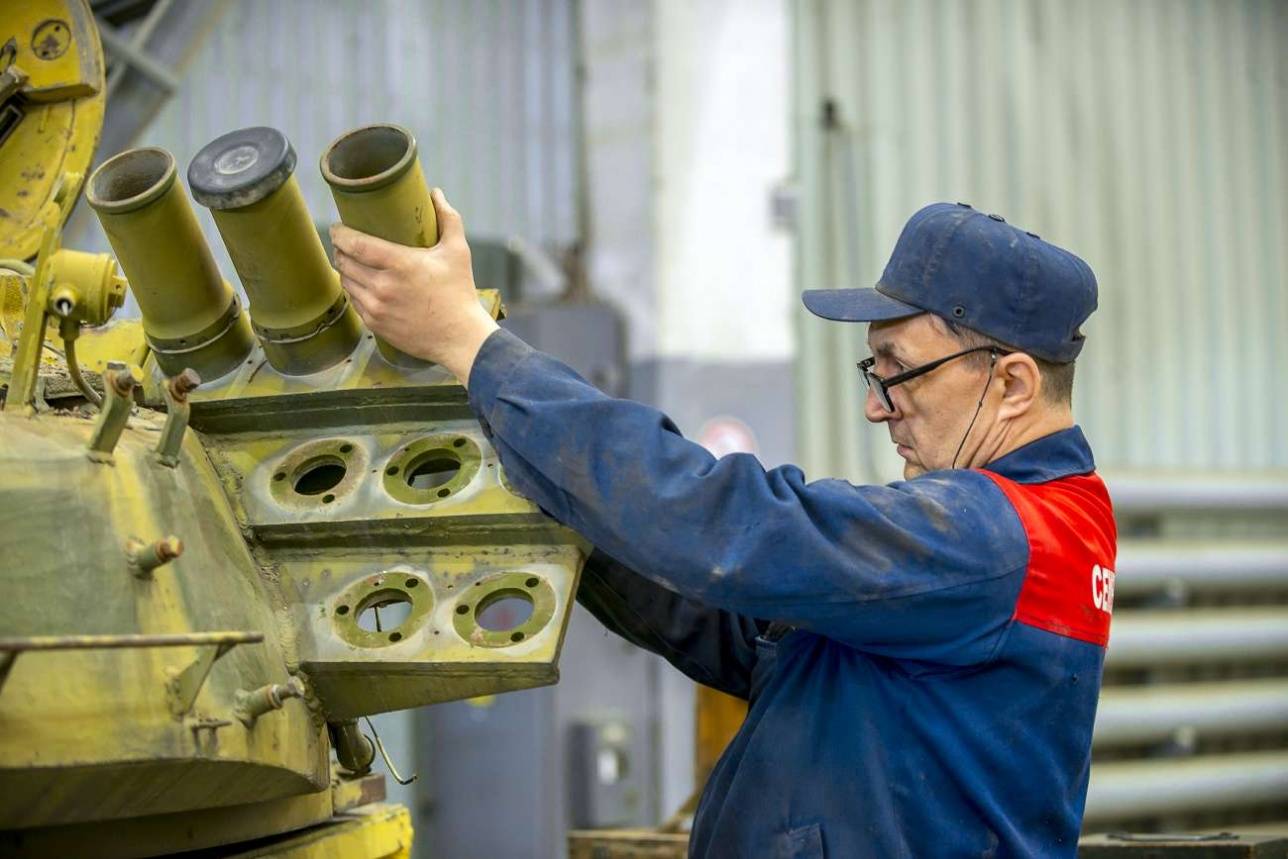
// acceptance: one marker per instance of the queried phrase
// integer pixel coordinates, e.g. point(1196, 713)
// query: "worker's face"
point(931, 411)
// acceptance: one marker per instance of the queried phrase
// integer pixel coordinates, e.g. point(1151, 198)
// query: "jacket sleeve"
point(926, 569)
point(711, 646)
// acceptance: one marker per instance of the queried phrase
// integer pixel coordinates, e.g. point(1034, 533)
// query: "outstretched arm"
point(929, 569)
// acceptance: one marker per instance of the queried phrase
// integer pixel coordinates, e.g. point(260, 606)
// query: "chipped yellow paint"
point(62, 118)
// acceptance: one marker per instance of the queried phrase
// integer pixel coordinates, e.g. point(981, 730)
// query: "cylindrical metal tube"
point(1121, 790)
point(379, 189)
point(1154, 714)
point(302, 317)
point(1148, 566)
point(191, 316)
point(1202, 636)
point(353, 750)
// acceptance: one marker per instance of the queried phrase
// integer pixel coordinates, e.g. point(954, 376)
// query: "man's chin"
point(911, 470)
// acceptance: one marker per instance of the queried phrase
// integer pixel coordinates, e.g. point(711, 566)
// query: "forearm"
point(711, 646)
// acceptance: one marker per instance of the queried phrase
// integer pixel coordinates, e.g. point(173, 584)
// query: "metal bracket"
point(178, 409)
point(118, 389)
point(182, 689)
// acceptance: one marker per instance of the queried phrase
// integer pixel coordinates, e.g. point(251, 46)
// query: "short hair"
point(1057, 379)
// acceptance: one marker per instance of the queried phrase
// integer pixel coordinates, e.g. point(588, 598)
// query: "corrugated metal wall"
point(487, 87)
point(1149, 136)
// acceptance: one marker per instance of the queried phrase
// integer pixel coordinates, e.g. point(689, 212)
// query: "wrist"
point(475, 330)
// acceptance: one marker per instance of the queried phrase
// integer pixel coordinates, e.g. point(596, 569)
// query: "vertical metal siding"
point(1150, 137)
point(487, 88)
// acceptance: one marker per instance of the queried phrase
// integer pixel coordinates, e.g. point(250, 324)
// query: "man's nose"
point(874, 411)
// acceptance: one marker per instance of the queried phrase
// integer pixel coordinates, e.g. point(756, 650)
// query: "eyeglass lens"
point(875, 384)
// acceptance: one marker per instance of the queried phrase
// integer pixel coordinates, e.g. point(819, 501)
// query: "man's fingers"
point(361, 298)
point(364, 275)
point(368, 250)
point(449, 220)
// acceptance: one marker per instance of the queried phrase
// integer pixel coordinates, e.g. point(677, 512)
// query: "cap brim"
point(856, 305)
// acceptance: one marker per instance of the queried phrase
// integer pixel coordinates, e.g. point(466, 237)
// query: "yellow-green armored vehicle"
point(227, 531)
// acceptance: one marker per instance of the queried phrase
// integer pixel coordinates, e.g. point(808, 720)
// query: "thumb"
point(450, 226)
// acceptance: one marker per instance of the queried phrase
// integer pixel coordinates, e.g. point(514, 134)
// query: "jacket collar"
point(1051, 457)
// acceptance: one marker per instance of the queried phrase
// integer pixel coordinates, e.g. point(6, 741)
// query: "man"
point(922, 660)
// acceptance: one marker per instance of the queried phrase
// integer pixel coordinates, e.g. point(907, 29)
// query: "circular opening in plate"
point(432, 470)
point(503, 610)
point(384, 611)
point(318, 475)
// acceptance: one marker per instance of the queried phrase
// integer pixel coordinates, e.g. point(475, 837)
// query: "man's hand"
point(421, 300)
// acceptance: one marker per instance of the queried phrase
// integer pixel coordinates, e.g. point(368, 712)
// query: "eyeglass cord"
point(992, 365)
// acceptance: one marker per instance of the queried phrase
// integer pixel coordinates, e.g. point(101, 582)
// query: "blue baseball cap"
point(980, 272)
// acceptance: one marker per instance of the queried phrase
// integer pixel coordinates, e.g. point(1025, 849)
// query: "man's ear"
point(1021, 384)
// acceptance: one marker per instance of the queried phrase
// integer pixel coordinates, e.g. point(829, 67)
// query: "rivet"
point(998, 218)
point(959, 311)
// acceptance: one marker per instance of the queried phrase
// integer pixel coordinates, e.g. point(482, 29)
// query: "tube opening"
point(369, 156)
point(130, 180)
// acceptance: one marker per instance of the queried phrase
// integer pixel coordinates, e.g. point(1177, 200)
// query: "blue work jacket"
point(922, 660)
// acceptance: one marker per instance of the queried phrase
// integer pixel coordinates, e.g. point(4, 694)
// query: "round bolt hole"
point(462, 609)
point(532, 582)
point(344, 609)
point(319, 475)
point(443, 493)
point(281, 475)
point(327, 499)
point(460, 442)
point(411, 583)
point(385, 611)
point(395, 636)
point(518, 636)
point(503, 610)
point(345, 448)
point(391, 470)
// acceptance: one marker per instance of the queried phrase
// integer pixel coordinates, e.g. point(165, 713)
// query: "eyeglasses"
point(882, 385)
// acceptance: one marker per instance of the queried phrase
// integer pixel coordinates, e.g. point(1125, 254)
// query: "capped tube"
point(379, 189)
point(191, 316)
point(299, 312)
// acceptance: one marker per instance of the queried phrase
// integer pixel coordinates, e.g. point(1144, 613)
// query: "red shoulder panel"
point(1073, 545)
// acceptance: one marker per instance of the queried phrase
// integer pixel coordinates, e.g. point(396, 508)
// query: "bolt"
point(249, 706)
point(146, 557)
point(184, 384)
point(124, 380)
